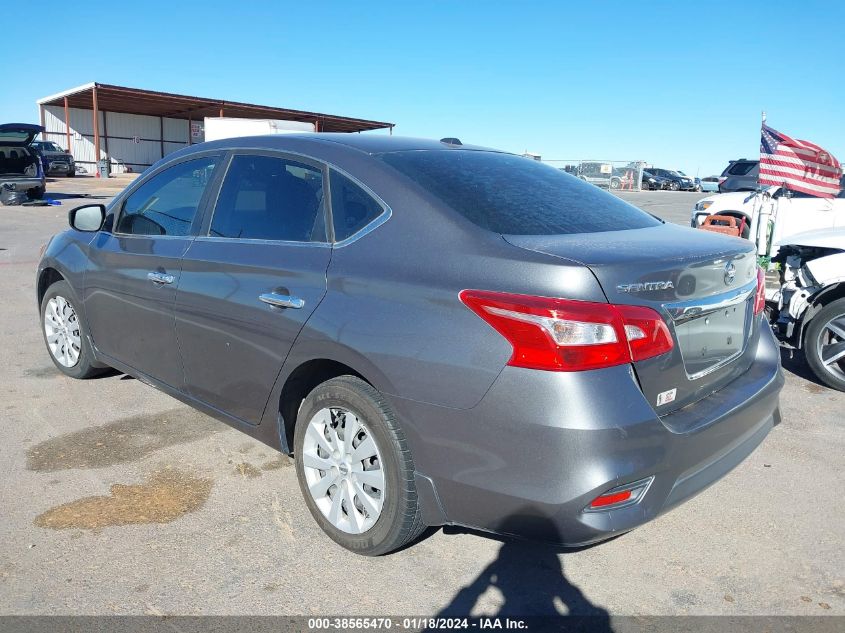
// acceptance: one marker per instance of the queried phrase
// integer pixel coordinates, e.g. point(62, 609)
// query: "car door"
point(133, 273)
point(251, 280)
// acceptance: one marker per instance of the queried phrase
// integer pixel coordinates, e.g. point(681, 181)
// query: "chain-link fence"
point(622, 175)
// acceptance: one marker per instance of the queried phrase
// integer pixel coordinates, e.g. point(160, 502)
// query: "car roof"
point(368, 143)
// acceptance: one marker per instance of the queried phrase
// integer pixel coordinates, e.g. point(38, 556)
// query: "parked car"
point(55, 159)
point(709, 184)
point(650, 182)
point(694, 182)
point(677, 182)
point(809, 304)
point(20, 165)
point(740, 175)
point(453, 335)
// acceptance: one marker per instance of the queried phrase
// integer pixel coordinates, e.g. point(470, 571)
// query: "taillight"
point(760, 296)
point(565, 335)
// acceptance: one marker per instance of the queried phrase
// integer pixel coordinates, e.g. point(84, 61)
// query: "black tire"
point(675, 186)
point(86, 366)
point(817, 333)
point(71, 174)
point(400, 521)
point(615, 183)
point(36, 193)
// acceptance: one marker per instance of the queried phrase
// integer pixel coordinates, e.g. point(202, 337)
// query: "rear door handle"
point(281, 301)
point(160, 278)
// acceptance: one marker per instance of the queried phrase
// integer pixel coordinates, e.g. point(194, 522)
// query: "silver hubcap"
point(61, 328)
point(343, 470)
point(831, 346)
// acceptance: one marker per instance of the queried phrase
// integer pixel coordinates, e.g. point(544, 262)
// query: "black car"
point(54, 159)
point(677, 181)
point(651, 182)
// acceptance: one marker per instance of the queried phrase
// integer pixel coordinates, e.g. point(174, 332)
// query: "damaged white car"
point(810, 300)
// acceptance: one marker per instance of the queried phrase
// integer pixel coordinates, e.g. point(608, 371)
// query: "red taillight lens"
point(611, 499)
point(620, 496)
point(647, 334)
point(565, 335)
point(760, 296)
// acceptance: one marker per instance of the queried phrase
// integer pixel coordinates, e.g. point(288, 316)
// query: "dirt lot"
point(118, 499)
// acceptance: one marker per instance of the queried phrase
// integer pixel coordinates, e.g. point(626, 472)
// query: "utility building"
point(134, 128)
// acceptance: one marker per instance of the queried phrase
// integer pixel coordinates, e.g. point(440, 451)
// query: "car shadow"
point(530, 578)
point(793, 361)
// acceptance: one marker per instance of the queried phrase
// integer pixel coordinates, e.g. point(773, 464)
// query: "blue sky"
point(679, 84)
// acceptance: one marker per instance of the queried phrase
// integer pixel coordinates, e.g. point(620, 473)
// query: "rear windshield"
point(510, 194)
point(740, 168)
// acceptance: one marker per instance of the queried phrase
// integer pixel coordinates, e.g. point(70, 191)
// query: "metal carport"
point(93, 119)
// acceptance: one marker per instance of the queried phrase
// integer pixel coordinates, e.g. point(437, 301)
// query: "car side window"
point(167, 203)
point(352, 207)
point(269, 198)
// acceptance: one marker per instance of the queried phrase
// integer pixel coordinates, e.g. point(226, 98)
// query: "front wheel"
point(824, 345)
point(36, 193)
point(65, 335)
point(355, 469)
point(675, 186)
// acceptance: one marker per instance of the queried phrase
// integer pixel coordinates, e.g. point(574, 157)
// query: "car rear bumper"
point(540, 446)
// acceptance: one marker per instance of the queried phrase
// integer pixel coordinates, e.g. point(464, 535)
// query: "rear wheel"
point(36, 193)
point(71, 173)
point(65, 335)
point(355, 469)
point(824, 346)
point(615, 183)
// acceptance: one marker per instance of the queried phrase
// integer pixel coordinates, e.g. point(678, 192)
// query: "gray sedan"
point(440, 334)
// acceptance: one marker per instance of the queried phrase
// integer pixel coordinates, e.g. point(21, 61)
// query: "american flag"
point(798, 165)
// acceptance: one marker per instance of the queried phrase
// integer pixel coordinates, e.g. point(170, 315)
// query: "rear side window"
point(269, 198)
point(352, 207)
point(513, 195)
point(167, 203)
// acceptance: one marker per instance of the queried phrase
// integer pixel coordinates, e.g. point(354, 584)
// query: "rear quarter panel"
point(392, 310)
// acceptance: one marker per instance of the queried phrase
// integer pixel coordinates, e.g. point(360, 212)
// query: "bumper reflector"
point(620, 497)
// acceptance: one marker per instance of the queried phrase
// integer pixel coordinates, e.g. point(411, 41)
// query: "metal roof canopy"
point(105, 97)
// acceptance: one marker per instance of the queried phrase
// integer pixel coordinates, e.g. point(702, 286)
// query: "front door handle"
point(281, 301)
point(160, 278)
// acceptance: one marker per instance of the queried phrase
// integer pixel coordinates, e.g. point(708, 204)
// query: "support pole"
point(161, 134)
point(44, 133)
point(190, 130)
point(96, 114)
point(67, 126)
point(221, 112)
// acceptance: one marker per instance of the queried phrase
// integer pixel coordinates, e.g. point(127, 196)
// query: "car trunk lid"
point(702, 284)
point(18, 134)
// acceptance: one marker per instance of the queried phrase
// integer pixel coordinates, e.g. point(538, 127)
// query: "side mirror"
point(88, 218)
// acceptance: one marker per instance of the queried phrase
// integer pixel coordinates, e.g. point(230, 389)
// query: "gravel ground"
point(118, 499)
